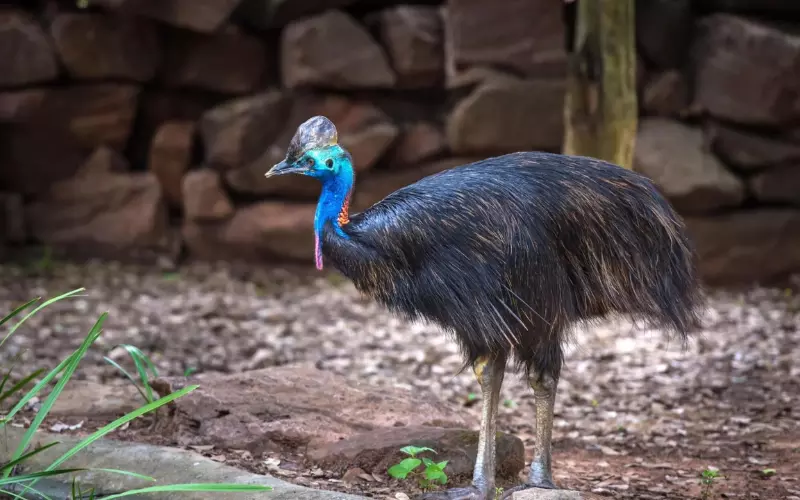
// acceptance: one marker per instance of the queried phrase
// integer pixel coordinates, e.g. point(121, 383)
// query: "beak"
point(284, 168)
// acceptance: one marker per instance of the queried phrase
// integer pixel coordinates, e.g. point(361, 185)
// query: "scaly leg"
point(541, 473)
point(489, 372)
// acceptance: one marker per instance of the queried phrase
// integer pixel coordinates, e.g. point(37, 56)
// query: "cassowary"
point(507, 254)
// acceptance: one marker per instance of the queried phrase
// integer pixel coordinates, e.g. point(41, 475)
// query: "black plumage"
point(509, 252)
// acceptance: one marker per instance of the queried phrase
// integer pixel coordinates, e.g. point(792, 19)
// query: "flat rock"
point(294, 408)
point(165, 465)
point(673, 156)
point(103, 160)
point(170, 157)
point(332, 50)
point(94, 115)
point(267, 14)
point(364, 130)
point(250, 180)
point(205, 16)
point(525, 36)
point(418, 142)
point(261, 232)
point(773, 7)
point(507, 115)
point(160, 105)
point(750, 151)
point(414, 39)
point(666, 94)
point(229, 61)
point(84, 398)
point(545, 494)
point(72, 121)
point(664, 31)
point(103, 214)
point(98, 46)
point(746, 246)
point(377, 450)
point(236, 132)
point(733, 56)
point(26, 56)
point(777, 184)
point(12, 219)
point(204, 197)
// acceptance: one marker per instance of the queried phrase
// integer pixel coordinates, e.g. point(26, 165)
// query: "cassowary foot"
point(470, 493)
point(543, 485)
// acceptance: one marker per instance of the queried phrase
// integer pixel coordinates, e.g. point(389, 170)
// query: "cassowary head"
point(314, 151)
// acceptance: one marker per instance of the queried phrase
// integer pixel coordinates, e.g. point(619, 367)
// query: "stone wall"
point(138, 127)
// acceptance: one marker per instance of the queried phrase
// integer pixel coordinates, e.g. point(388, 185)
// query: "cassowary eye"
point(310, 162)
point(329, 163)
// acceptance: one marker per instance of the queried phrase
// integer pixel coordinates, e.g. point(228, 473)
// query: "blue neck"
point(333, 201)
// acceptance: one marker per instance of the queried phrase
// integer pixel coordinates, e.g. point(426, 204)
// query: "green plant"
point(432, 473)
point(707, 478)
point(768, 473)
point(142, 363)
point(16, 484)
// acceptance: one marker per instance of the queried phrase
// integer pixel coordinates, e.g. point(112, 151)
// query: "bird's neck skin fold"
point(333, 206)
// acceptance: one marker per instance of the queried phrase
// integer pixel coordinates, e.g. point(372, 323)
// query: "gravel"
point(623, 392)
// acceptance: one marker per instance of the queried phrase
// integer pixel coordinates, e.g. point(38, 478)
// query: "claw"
point(544, 485)
point(470, 493)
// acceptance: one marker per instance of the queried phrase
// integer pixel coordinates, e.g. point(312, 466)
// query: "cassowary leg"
point(541, 473)
point(489, 372)
point(544, 393)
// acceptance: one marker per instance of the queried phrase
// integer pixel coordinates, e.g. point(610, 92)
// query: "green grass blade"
point(39, 308)
point(33, 476)
point(11, 464)
point(125, 473)
point(140, 360)
point(116, 424)
point(42, 495)
point(143, 357)
point(18, 310)
point(75, 359)
point(127, 375)
point(19, 385)
point(38, 387)
point(221, 487)
point(120, 422)
point(6, 377)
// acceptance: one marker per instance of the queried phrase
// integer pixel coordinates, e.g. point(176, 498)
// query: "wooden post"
point(601, 110)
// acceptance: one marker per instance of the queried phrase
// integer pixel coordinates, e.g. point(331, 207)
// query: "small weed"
point(707, 478)
point(16, 483)
point(431, 474)
point(142, 363)
point(768, 473)
point(189, 371)
point(498, 492)
point(509, 403)
point(471, 399)
point(170, 276)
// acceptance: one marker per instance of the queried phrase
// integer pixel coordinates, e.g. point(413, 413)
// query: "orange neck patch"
point(344, 216)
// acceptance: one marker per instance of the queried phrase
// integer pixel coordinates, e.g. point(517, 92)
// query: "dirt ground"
point(637, 417)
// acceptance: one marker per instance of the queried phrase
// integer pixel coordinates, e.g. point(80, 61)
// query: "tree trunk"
point(601, 109)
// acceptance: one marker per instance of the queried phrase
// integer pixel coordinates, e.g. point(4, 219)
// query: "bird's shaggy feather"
point(510, 252)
